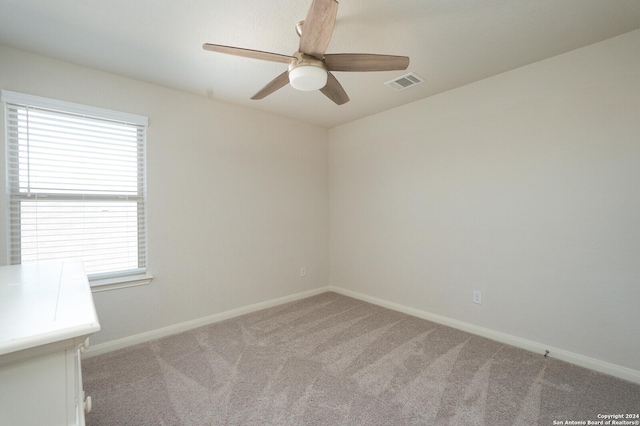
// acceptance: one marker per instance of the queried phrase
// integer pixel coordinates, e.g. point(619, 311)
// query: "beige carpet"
point(334, 360)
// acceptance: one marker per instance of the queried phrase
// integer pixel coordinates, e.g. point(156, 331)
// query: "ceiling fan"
point(310, 68)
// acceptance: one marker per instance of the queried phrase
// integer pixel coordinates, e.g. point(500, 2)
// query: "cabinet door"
point(33, 391)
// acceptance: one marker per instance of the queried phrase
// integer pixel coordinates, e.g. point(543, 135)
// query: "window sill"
point(106, 284)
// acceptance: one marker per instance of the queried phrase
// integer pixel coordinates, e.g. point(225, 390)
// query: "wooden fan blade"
point(365, 62)
point(248, 53)
point(334, 91)
point(275, 84)
point(318, 27)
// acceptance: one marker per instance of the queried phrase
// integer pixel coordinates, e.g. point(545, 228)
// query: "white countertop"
point(44, 303)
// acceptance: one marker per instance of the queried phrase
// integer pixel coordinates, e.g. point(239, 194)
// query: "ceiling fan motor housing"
point(307, 73)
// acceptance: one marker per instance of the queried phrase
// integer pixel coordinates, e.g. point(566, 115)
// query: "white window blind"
point(76, 185)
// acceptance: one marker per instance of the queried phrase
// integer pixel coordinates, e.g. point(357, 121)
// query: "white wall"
point(525, 186)
point(237, 200)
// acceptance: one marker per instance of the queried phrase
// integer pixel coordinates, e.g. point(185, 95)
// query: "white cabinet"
point(46, 317)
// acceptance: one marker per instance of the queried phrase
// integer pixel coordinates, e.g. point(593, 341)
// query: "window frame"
point(98, 281)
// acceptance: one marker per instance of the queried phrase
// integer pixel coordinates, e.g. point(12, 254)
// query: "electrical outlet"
point(477, 297)
point(303, 271)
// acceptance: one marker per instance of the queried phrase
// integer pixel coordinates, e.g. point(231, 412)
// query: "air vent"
point(404, 82)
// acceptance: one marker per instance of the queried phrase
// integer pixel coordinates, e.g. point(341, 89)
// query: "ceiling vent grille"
point(404, 82)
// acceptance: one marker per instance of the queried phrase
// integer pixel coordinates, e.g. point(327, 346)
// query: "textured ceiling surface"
point(450, 43)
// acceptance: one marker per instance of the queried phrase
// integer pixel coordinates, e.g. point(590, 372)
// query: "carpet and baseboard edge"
point(558, 353)
point(113, 345)
point(529, 345)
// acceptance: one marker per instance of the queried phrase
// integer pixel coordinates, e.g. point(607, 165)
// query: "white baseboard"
point(113, 345)
point(557, 353)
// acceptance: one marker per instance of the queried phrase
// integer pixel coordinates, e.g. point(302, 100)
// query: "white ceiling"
point(450, 43)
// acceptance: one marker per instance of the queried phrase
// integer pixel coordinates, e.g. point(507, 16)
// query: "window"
point(76, 187)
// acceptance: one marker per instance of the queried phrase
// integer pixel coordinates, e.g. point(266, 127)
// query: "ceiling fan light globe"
point(308, 77)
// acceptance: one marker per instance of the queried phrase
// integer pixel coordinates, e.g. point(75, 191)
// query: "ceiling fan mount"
point(299, 28)
point(310, 67)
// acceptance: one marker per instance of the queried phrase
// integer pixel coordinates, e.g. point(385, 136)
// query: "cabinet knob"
point(87, 404)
